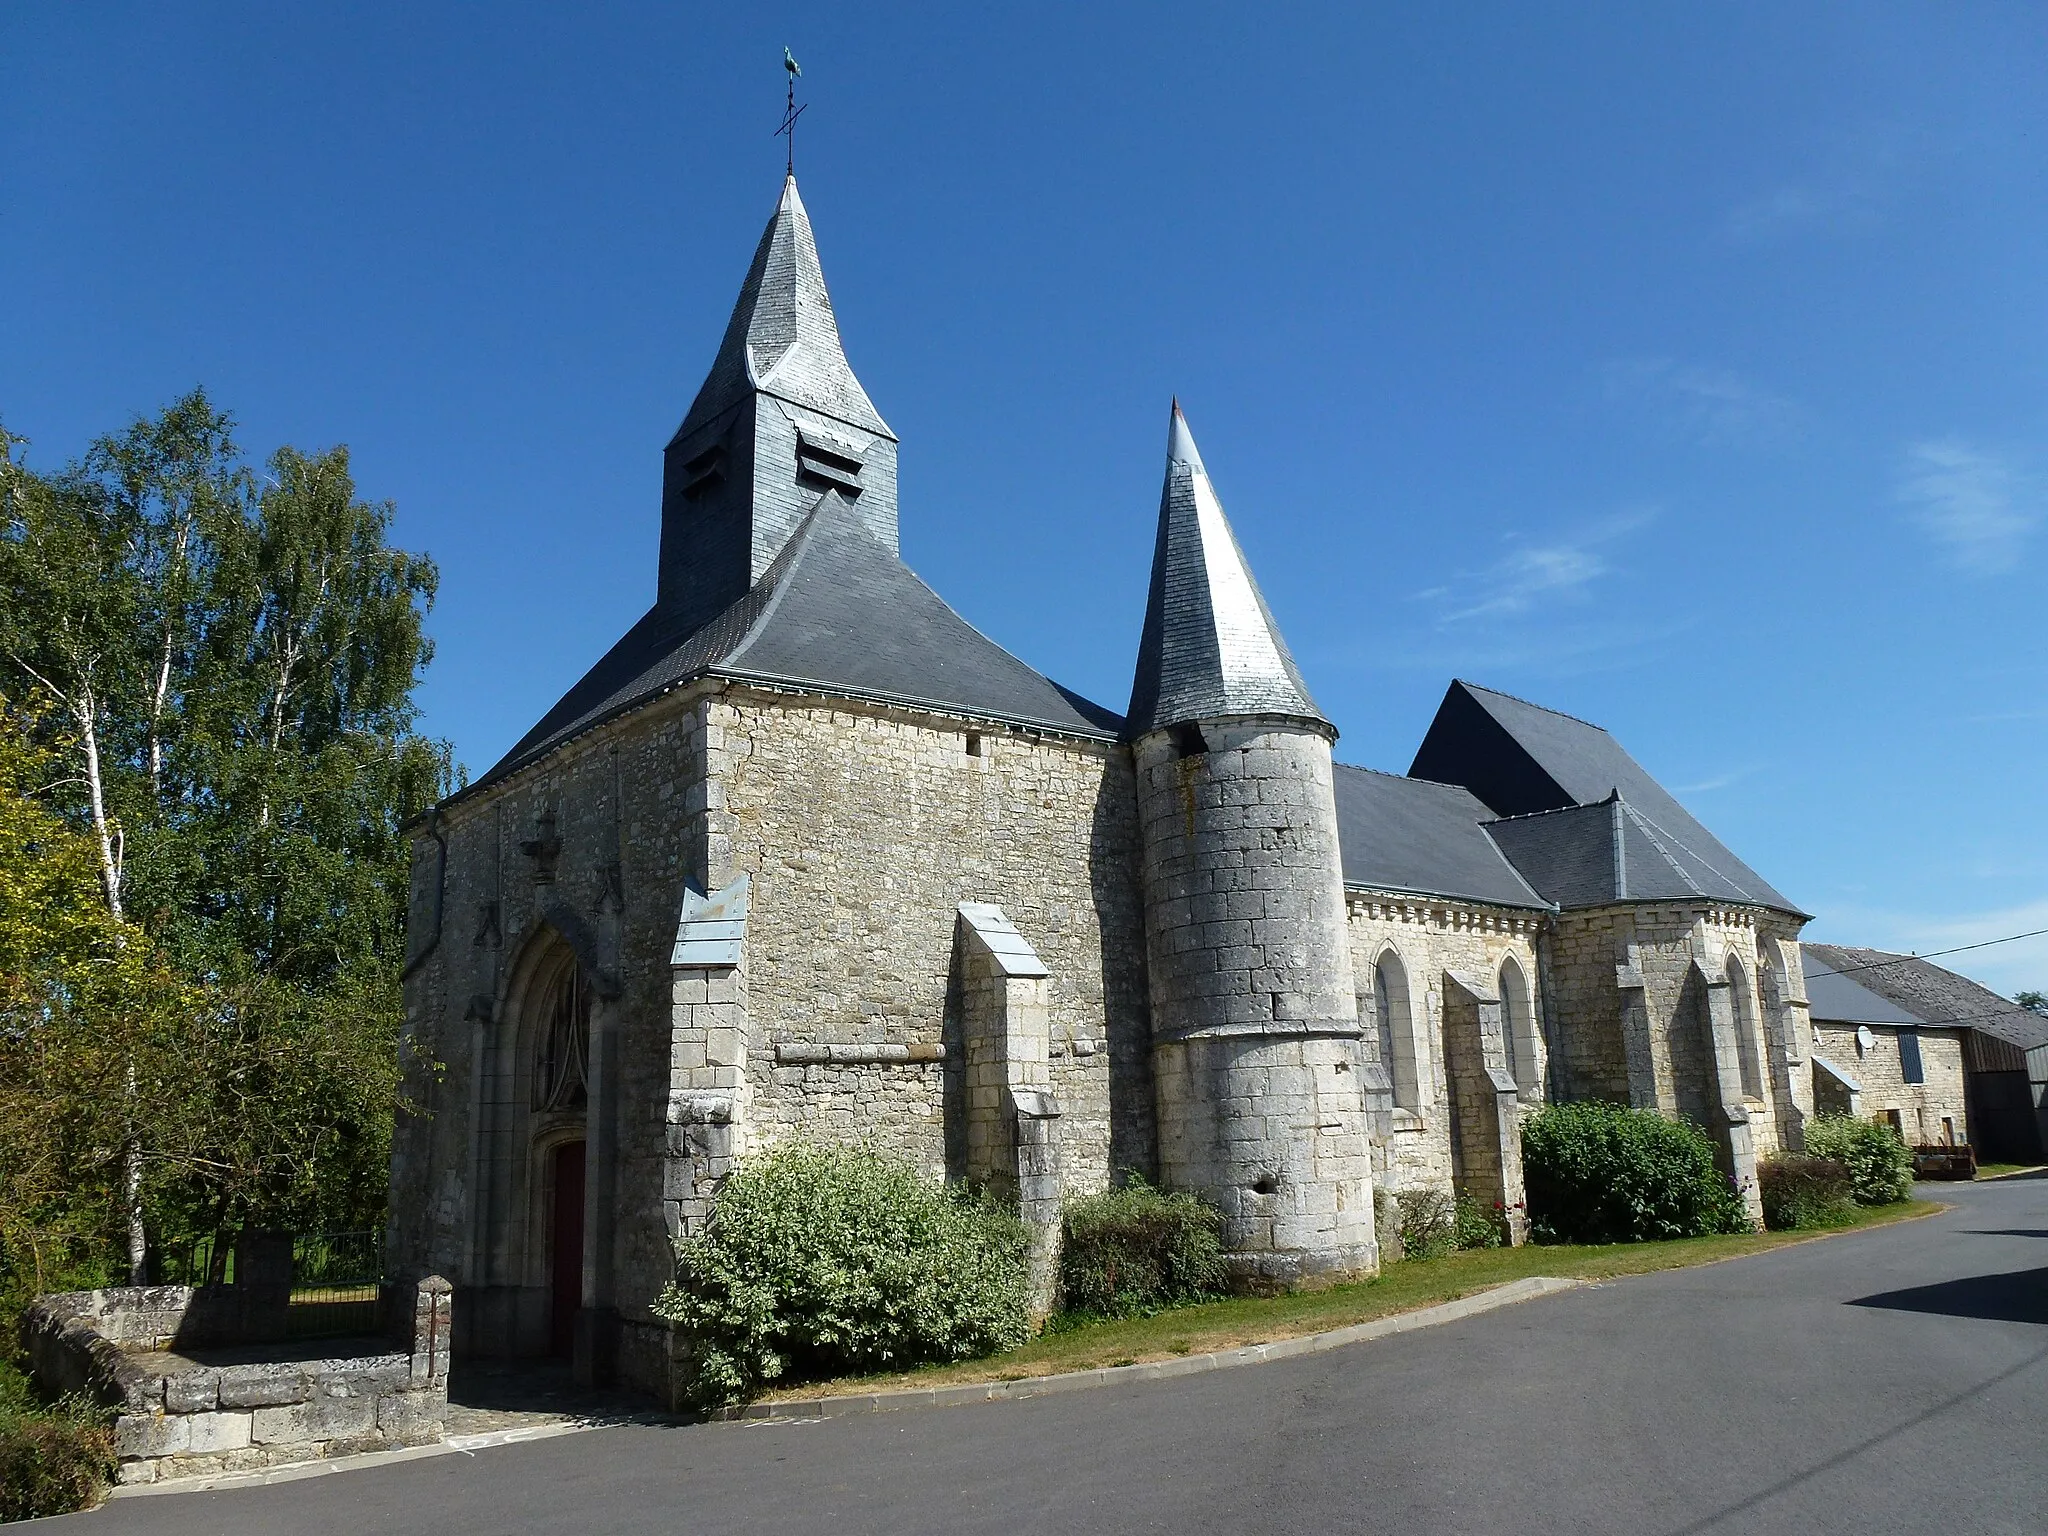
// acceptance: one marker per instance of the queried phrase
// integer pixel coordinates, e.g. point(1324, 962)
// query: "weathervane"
point(792, 112)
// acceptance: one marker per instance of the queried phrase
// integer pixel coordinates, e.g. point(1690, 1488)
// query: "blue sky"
point(1679, 367)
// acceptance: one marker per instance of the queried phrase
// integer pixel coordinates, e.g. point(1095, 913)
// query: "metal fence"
point(193, 1263)
point(334, 1283)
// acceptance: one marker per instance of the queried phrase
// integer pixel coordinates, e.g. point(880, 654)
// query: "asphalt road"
point(1892, 1380)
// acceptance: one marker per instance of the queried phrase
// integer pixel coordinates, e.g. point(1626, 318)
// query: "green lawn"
point(1261, 1320)
point(2005, 1170)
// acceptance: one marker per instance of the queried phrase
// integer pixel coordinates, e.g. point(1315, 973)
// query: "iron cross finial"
point(791, 112)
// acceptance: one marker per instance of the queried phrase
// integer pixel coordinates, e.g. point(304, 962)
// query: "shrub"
point(1429, 1223)
point(1801, 1192)
point(820, 1260)
point(1880, 1164)
point(1601, 1173)
point(1137, 1249)
point(53, 1462)
point(1477, 1225)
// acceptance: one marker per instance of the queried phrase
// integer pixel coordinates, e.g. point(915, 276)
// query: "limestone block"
point(263, 1386)
point(191, 1391)
point(338, 1378)
point(151, 1434)
point(223, 1431)
point(323, 1419)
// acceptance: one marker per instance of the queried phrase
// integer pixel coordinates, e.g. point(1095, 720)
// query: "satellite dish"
point(1864, 1039)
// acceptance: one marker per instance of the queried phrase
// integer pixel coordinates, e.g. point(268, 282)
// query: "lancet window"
point(562, 1049)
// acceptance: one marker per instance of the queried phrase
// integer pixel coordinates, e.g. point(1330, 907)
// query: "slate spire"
point(783, 338)
point(1210, 648)
point(780, 420)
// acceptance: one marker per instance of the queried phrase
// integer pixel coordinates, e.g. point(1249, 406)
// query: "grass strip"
point(2006, 1170)
point(1239, 1321)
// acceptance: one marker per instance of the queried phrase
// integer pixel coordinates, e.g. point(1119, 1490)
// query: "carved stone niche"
point(544, 847)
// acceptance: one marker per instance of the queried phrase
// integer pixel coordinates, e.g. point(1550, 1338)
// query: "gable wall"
point(863, 828)
point(467, 1192)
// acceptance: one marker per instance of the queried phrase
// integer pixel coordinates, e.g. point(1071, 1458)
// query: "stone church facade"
point(807, 855)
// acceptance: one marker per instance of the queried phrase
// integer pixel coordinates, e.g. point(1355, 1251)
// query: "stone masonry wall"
point(864, 828)
point(1921, 1107)
point(1255, 1013)
point(589, 850)
point(184, 1412)
point(1631, 1013)
point(1428, 937)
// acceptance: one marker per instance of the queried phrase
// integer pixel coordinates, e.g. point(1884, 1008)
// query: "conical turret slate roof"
point(783, 339)
point(1210, 647)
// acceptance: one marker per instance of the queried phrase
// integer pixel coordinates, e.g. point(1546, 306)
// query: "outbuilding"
point(2004, 1046)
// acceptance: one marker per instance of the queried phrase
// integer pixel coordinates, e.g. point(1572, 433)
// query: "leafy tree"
point(217, 672)
point(2033, 1002)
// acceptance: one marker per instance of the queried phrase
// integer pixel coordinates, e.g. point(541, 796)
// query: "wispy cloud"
point(2005, 968)
point(1531, 576)
point(1718, 781)
point(1974, 503)
point(1713, 406)
point(1849, 180)
point(1797, 207)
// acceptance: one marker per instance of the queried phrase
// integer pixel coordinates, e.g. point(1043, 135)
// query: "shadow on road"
point(2003, 1231)
point(2019, 1297)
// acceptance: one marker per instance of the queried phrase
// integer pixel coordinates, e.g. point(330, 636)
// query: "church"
point(805, 854)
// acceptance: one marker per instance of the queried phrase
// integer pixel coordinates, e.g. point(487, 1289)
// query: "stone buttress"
point(1254, 1009)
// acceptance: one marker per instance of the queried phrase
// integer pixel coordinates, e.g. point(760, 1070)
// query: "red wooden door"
point(565, 1253)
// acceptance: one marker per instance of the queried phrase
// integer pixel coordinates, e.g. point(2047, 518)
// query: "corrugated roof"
point(1521, 759)
point(1210, 647)
point(1838, 999)
point(1401, 834)
point(1935, 993)
point(836, 611)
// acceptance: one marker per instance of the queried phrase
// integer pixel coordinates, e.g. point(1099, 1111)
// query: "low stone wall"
point(186, 1411)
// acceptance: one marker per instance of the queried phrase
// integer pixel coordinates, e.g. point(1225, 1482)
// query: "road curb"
point(292, 1472)
point(814, 1408)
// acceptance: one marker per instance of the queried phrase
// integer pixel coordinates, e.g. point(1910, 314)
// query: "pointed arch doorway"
point(565, 1247)
point(561, 1102)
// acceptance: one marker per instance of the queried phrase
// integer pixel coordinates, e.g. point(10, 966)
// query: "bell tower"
point(779, 421)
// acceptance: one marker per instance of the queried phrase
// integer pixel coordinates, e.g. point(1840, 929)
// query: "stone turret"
point(1254, 1010)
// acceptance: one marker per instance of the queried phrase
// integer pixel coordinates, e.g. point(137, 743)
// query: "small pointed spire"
point(783, 338)
point(1210, 648)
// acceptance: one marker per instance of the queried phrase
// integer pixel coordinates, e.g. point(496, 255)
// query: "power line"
point(1872, 965)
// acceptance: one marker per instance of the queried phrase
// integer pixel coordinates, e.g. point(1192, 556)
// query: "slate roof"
point(1521, 759)
point(1838, 999)
point(838, 610)
point(1613, 851)
point(1935, 993)
point(783, 338)
point(1210, 647)
point(1401, 834)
